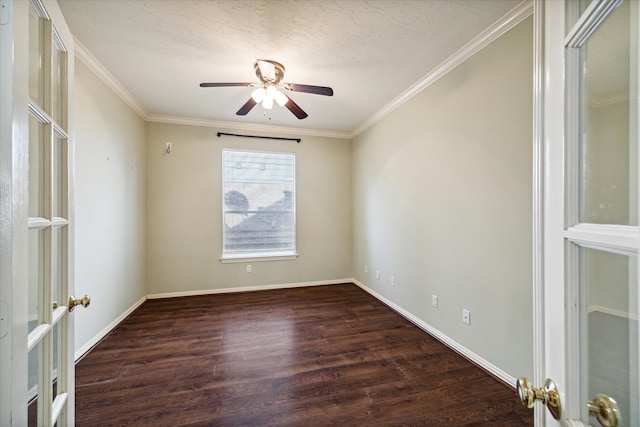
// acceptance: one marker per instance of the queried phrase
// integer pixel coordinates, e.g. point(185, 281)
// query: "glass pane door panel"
point(59, 178)
point(56, 356)
point(32, 386)
point(58, 272)
point(59, 89)
point(37, 170)
point(607, 165)
point(36, 275)
point(610, 329)
point(39, 360)
point(36, 57)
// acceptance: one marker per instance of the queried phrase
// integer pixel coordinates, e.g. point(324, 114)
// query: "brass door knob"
point(605, 409)
point(548, 395)
point(84, 301)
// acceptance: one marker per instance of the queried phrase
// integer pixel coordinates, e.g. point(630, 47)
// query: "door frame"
point(548, 191)
point(539, 199)
point(553, 292)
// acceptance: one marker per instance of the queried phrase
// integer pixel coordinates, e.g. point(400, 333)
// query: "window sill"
point(229, 259)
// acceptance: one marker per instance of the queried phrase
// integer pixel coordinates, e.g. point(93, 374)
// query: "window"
point(258, 207)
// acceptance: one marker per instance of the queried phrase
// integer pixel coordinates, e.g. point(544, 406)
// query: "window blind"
point(259, 203)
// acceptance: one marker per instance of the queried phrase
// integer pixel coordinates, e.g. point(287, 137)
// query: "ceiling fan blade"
point(225, 84)
point(295, 109)
point(317, 90)
point(246, 107)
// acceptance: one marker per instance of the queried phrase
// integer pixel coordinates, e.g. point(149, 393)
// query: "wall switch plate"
point(249, 269)
point(434, 301)
point(466, 316)
point(366, 268)
point(378, 274)
point(393, 281)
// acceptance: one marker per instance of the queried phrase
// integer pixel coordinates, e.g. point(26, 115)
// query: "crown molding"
point(246, 126)
point(500, 27)
point(83, 54)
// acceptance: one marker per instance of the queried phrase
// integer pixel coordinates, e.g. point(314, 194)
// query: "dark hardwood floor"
point(327, 355)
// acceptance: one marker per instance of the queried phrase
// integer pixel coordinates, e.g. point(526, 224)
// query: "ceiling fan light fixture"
point(269, 89)
point(271, 92)
point(259, 94)
point(281, 98)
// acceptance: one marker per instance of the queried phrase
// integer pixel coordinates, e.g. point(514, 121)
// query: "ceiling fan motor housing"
point(272, 73)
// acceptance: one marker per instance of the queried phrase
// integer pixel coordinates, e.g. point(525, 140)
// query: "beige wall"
point(110, 205)
point(437, 194)
point(443, 202)
point(184, 218)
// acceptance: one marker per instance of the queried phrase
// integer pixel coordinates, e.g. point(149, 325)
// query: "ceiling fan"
point(270, 74)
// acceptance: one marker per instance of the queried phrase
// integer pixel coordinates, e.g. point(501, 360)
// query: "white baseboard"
point(103, 333)
point(455, 346)
point(247, 289)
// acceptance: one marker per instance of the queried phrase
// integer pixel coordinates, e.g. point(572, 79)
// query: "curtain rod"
point(260, 137)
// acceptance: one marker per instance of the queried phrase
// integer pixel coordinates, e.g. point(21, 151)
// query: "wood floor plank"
point(327, 355)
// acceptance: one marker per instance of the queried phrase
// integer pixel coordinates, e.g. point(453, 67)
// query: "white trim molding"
point(83, 54)
point(500, 27)
point(617, 238)
point(612, 312)
point(248, 289)
point(538, 197)
point(452, 344)
point(246, 127)
point(228, 259)
point(79, 353)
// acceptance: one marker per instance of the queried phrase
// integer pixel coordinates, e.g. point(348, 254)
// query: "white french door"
point(37, 211)
point(588, 235)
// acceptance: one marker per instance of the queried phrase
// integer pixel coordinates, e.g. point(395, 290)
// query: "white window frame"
point(275, 255)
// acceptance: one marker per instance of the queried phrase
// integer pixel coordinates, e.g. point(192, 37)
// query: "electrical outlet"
point(393, 281)
point(366, 268)
point(378, 274)
point(249, 269)
point(466, 316)
point(434, 301)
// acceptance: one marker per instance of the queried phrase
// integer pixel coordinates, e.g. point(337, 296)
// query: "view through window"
point(258, 204)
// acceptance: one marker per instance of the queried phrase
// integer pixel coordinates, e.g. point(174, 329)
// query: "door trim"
point(549, 250)
point(538, 199)
point(613, 238)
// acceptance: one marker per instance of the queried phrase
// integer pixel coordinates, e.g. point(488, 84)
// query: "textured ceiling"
point(369, 52)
